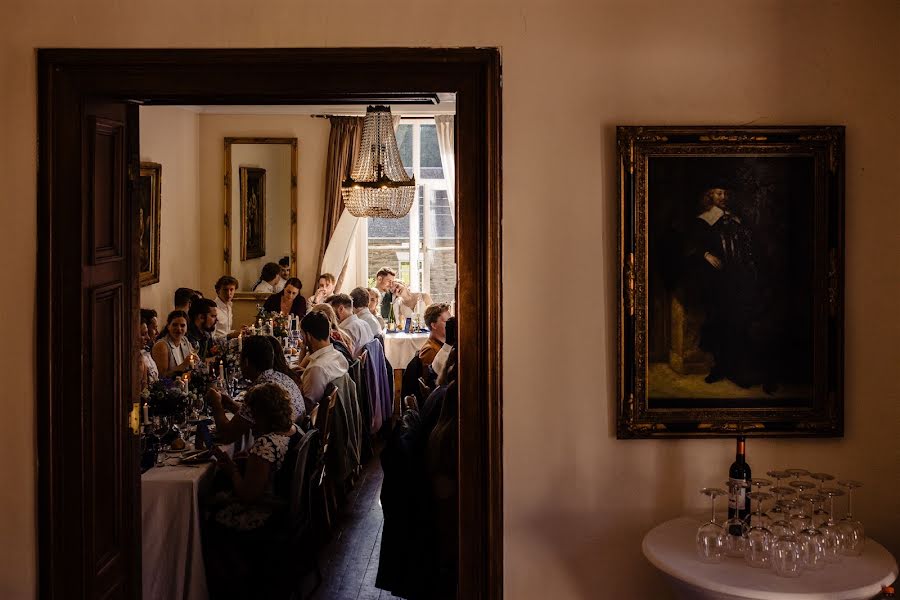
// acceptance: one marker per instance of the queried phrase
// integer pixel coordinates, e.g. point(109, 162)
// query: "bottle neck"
point(740, 455)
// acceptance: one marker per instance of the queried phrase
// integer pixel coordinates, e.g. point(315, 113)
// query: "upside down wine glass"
point(758, 546)
point(710, 540)
point(853, 532)
point(812, 541)
point(834, 537)
point(736, 527)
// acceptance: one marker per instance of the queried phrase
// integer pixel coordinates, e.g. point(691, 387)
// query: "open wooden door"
point(92, 543)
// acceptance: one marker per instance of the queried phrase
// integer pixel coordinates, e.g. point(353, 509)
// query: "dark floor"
point(350, 560)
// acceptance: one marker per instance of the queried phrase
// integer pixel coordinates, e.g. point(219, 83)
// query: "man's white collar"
point(711, 215)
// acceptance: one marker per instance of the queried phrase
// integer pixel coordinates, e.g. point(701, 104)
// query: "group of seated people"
point(335, 330)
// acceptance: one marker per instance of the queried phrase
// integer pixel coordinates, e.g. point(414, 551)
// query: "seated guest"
point(149, 370)
point(151, 320)
point(268, 278)
point(226, 286)
point(288, 301)
point(384, 283)
point(360, 333)
point(183, 297)
point(360, 298)
point(373, 307)
point(325, 363)
point(436, 317)
point(324, 288)
point(405, 301)
point(284, 273)
point(257, 362)
point(174, 354)
point(202, 317)
point(440, 359)
point(280, 363)
point(340, 340)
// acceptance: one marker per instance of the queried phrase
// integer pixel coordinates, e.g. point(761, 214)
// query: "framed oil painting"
point(253, 212)
point(730, 312)
point(148, 200)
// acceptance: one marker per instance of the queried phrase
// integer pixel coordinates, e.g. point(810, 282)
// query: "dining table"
point(172, 553)
point(670, 547)
point(401, 347)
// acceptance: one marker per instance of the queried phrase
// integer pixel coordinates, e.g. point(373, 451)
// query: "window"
point(420, 246)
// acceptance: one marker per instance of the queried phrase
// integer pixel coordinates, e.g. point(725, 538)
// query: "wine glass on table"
point(710, 538)
point(787, 556)
point(780, 524)
point(800, 518)
point(736, 526)
point(812, 541)
point(758, 544)
point(834, 536)
point(776, 511)
point(854, 534)
point(820, 515)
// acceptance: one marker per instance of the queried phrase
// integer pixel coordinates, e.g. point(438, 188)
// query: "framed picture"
point(148, 197)
point(253, 212)
point(730, 312)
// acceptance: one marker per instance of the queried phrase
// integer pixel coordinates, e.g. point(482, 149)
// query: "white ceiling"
point(446, 106)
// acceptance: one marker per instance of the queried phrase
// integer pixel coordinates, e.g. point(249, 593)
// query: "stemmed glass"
point(800, 517)
point(776, 510)
point(781, 525)
point(761, 517)
point(834, 538)
point(819, 514)
point(812, 541)
point(710, 540)
point(758, 546)
point(736, 527)
point(853, 532)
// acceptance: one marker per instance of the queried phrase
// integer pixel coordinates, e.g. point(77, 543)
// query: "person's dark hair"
point(336, 300)
point(450, 332)
point(147, 315)
point(279, 363)
point(284, 261)
point(294, 281)
point(269, 271)
point(200, 306)
point(316, 324)
point(385, 271)
point(327, 277)
point(360, 297)
point(434, 312)
point(270, 402)
point(258, 352)
point(226, 280)
point(174, 315)
point(183, 296)
point(706, 200)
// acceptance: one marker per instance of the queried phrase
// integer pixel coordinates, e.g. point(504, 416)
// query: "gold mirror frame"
point(230, 141)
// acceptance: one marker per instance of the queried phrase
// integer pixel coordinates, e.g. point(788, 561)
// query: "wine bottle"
point(738, 500)
point(391, 323)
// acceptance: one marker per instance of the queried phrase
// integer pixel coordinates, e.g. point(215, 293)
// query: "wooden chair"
point(322, 484)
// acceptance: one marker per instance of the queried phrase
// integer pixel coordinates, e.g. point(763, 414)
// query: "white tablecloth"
point(170, 523)
point(399, 348)
point(670, 548)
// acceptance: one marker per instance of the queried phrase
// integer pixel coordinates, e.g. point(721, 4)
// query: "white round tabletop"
point(399, 348)
point(670, 548)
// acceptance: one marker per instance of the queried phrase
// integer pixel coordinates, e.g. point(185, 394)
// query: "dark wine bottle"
point(738, 500)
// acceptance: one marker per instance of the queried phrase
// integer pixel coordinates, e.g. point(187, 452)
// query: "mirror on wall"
point(260, 208)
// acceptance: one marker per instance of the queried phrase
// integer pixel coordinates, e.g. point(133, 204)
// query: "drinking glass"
point(777, 507)
point(758, 544)
point(812, 541)
point(853, 532)
point(780, 524)
point(710, 539)
point(759, 517)
point(787, 557)
point(834, 537)
point(800, 519)
point(819, 514)
point(735, 527)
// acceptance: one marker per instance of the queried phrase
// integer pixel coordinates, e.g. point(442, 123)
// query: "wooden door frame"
point(69, 78)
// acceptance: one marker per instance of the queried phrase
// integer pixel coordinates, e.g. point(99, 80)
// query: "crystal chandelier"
point(378, 185)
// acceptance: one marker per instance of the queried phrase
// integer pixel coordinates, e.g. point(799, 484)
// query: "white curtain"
point(444, 124)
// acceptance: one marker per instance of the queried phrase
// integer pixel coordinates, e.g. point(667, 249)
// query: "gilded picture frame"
point(730, 281)
point(253, 212)
point(148, 190)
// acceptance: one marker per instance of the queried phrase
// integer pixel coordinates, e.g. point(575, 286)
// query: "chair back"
point(363, 359)
point(326, 416)
point(298, 509)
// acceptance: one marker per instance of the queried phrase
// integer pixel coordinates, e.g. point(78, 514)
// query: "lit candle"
point(146, 413)
point(222, 371)
point(240, 342)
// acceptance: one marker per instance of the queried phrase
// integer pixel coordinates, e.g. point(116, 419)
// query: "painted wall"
point(170, 136)
point(276, 160)
point(577, 501)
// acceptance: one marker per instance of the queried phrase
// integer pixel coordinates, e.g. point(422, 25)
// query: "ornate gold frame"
point(154, 172)
point(229, 142)
point(823, 415)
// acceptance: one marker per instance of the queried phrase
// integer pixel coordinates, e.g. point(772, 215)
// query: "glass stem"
point(849, 503)
point(712, 517)
point(831, 514)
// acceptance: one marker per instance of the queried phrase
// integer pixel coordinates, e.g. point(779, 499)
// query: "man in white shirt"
point(360, 298)
point(360, 333)
point(269, 278)
point(325, 363)
point(225, 288)
point(284, 273)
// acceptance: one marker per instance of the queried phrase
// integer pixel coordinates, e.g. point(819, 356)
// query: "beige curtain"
point(343, 144)
point(445, 136)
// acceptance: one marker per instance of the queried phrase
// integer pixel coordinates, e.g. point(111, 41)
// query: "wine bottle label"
point(737, 499)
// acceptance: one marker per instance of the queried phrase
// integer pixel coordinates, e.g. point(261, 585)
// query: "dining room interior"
point(225, 192)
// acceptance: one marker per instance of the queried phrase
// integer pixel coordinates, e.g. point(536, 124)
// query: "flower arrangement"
point(165, 397)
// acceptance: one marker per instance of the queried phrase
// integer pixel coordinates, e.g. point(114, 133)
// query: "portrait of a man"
point(253, 212)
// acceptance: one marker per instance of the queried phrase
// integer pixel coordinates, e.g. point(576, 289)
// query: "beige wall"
point(170, 137)
point(577, 501)
point(312, 149)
